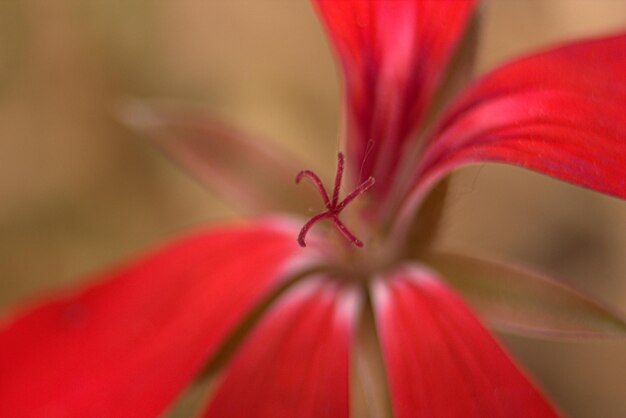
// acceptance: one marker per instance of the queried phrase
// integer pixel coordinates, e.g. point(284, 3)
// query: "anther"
point(333, 205)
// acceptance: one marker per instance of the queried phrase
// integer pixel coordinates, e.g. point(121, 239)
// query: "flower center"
point(333, 206)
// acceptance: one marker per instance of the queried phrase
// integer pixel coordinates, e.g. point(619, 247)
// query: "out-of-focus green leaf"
point(515, 300)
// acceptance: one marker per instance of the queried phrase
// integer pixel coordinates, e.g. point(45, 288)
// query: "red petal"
point(297, 362)
point(129, 345)
point(560, 112)
point(441, 361)
point(394, 54)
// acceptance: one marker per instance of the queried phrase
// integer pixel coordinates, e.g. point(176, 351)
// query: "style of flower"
point(128, 345)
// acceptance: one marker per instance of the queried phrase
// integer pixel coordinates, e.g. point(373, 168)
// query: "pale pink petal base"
point(297, 362)
point(441, 361)
point(126, 347)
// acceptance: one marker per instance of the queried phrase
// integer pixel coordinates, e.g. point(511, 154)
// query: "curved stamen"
point(309, 224)
point(317, 182)
point(346, 233)
point(338, 177)
point(358, 191)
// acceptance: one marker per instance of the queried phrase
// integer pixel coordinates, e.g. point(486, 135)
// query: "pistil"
point(333, 206)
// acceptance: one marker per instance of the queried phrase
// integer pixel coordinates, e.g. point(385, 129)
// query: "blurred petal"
point(520, 301)
point(440, 359)
point(252, 174)
point(128, 345)
point(394, 55)
point(559, 112)
point(297, 362)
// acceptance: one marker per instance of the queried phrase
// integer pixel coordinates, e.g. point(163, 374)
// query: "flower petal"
point(440, 359)
point(394, 55)
point(253, 174)
point(560, 112)
point(297, 362)
point(520, 301)
point(129, 345)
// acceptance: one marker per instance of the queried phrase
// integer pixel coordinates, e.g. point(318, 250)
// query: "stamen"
point(357, 192)
point(317, 182)
point(346, 233)
point(309, 224)
point(338, 176)
point(333, 207)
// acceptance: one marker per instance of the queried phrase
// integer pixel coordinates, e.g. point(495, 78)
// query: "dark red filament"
point(333, 205)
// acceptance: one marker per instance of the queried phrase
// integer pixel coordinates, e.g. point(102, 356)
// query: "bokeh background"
point(79, 191)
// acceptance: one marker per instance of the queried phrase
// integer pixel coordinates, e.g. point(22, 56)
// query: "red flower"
point(130, 344)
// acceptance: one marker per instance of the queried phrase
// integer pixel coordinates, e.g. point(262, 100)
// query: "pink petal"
point(253, 174)
point(128, 345)
point(520, 301)
point(393, 55)
point(559, 112)
point(441, 361)
point(297, 362)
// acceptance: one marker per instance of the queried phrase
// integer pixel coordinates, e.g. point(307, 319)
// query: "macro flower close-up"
point(331, 297)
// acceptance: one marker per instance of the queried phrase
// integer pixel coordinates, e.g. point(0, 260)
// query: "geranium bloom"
point(290, 297)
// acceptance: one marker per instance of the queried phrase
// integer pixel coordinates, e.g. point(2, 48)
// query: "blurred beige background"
point(79, 191)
